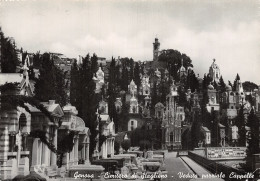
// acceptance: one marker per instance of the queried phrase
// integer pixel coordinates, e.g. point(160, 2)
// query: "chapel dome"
point(210, 87)
point(228, 88)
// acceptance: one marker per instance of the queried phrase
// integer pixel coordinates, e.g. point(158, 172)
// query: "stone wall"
point(213, 166)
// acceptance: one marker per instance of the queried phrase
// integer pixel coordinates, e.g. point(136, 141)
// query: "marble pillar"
point(84, 151)
point(53, 155)
point(113, 148)
point(76, 154)
point(4, 148)
point(24, 142)
point(12, 142)
point(87, 152)
point(36, 152)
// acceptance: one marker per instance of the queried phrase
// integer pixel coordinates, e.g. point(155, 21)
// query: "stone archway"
point(15, 159)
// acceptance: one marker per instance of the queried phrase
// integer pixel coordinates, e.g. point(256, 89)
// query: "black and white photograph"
point(140, 90)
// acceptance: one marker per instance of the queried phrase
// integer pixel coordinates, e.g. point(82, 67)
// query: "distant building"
point(132, 88)
point(213, 104)
point(171, 125)
point(214, 72)
point(156, 49)
point(107, 130)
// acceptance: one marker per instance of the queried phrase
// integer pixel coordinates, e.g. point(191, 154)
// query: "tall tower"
point(214, 71)
point(156, 49)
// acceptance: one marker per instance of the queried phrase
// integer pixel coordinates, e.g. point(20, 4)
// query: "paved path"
point(175, 167)
point(199, 170)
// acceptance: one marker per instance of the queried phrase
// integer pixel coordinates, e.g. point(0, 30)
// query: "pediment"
point(58, 112)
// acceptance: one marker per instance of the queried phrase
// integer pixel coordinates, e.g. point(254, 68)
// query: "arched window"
point(159, 114)
point(213, 99)
point(102, 109)
point(132, 124)
point(171, 137)
point(134, 109)
point(118, 109)
point(22, 121)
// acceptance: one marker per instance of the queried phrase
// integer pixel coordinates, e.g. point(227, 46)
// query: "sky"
point(225, 30)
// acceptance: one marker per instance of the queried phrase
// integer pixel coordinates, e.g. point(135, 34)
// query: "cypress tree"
point(112, 93)
point(51, 82)
point(235, 82)
point(90, 101)
point(240, 123)
point(137, 78)
point(74, 77)
point(195, 130)
point(9, 59)
point(253, 140)
point(154, 98)
point(94, 64)
point(222, 85)
point(125, 79)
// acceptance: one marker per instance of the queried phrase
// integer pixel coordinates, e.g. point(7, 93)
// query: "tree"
point(192, 81)
point(137, 78)
point(125, 79)
point(164, 91)
point(215, 135)
point(112, 93)
point(206, 81)
point(51, 82)
point(126, 144)
point(222, 85)
point(154, 97)
point(9, 59)
point(37, 60)
point(229, 83)
point(74, 77)
point(205, 115)
point(240, 123)
point(94, 64)
point(173, 60)
point(182, 101)
point(249, 86)
point(235, 82)
point(253, 139)
point(83, 95)
point(195, 129)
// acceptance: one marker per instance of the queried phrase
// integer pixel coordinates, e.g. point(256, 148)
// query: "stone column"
point(53, 155)
point(19, 145)
point(104, 150)
point(45, 155)
point(12, 142)
point(35, 152)
point(4, 148)
point(24, 142)
point(76, 154)
point(71, 154)
point(87, 153)
point(84, 151)
point(113, 147)
point(108, 146)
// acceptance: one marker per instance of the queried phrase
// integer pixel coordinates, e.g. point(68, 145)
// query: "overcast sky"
point(228, 31)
